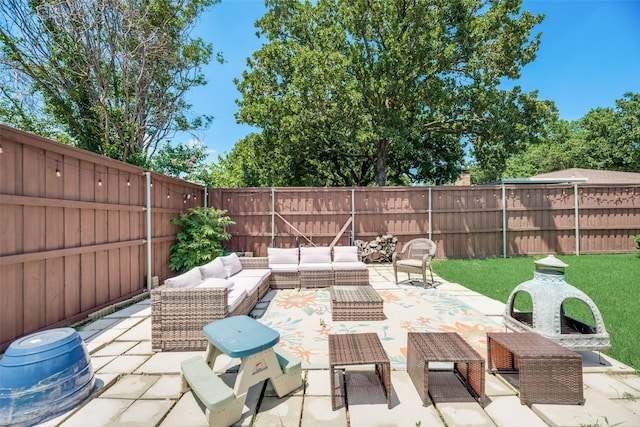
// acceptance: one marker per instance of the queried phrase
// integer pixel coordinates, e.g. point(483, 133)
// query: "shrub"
point(637, 240)
point(202, 231)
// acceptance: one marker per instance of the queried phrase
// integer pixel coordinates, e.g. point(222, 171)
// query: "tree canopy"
point(360, 92)
point(112, 74)
point(604, 139)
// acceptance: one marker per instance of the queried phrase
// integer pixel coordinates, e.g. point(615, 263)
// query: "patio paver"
point(155, 385)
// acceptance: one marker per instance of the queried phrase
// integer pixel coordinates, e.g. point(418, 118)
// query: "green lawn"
point(611, 281)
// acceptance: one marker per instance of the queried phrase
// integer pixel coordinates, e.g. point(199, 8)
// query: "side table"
point(358, 349)
point(547, 371)
point(426, 347)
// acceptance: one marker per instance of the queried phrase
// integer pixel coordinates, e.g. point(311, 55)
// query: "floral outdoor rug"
point(303, 319)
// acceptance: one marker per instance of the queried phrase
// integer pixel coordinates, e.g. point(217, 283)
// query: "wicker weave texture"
point(284, 280)
point(547, 372)
point(355, 303)
point(178, 315)
point(423, 348)
point(316, 278)
point(351, 277)
point(358, 349)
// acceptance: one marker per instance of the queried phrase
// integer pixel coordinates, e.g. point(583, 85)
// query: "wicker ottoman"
point(355, 303)
point(547, 372)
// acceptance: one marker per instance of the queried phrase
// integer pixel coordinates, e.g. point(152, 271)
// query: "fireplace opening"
point(576, 317)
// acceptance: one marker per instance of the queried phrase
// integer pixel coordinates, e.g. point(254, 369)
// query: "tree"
point(603, 139)
point(360, 92)
point(112, 73)
point(185, 161)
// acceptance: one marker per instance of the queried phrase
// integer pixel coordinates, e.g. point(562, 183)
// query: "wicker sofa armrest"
point(178, 316)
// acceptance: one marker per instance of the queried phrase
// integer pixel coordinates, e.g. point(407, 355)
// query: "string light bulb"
point(168, 195)
point(100, 180)
point(129, 181)
point(58, 173)
point(1, 151)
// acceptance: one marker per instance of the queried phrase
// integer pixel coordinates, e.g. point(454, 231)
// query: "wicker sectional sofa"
point(232, 285)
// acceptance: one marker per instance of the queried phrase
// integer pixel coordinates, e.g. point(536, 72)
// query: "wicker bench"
point(355, 303)
point(547, 372)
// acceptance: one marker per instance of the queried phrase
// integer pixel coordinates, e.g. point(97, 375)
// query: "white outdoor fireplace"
point(548, 292)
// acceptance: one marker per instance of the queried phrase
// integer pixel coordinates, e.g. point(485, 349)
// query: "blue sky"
point(589, 56)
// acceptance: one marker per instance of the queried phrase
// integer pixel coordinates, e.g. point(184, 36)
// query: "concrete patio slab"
point(130, 387)
point(464, 414)
point(187, 412)
point(167, 362)
point(316, 412)
point(507, 411)
point(166, 387)
point(144, 413)
point(123, 364)
point(596, 411)
point(280, 412)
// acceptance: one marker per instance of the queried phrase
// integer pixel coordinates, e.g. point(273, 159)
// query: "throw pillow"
point(282, 255)
point(315, 255)
point(214, 269)
point(232, 264)
point(345, 254)
point(186, 280)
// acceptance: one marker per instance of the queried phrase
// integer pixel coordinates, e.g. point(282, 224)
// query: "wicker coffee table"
point(358, 349)
point(355, 303)
point(547, 371)
point(468, 366)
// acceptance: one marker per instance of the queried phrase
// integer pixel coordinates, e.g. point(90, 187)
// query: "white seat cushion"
point(249, 284)
point(215, 282)
point(315, 266)
point(234, 298)
point(253, 272)
point(349, 266)
point(284, 268)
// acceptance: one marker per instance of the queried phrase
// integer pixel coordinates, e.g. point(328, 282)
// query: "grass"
point(611, 281)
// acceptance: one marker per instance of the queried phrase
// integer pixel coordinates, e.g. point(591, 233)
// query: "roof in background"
point(593, 176)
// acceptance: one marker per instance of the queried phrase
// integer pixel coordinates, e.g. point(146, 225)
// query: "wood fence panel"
point(70, 246)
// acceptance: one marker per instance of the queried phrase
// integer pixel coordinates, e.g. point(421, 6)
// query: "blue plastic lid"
point(42, 341)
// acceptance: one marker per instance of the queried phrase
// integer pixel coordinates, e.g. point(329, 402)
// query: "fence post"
point(273, 217)
point(429, 212)
point(149, 278)
point(504, 221)
point(353, 217)
point(576, 214)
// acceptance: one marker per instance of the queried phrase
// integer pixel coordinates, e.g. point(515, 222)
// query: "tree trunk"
point(381, 163)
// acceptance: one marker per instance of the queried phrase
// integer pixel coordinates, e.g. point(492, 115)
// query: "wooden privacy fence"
point(73, 231)
point(79, 232)
point(465, 222)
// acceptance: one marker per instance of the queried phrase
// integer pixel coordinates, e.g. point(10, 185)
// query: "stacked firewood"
point(380, 249)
